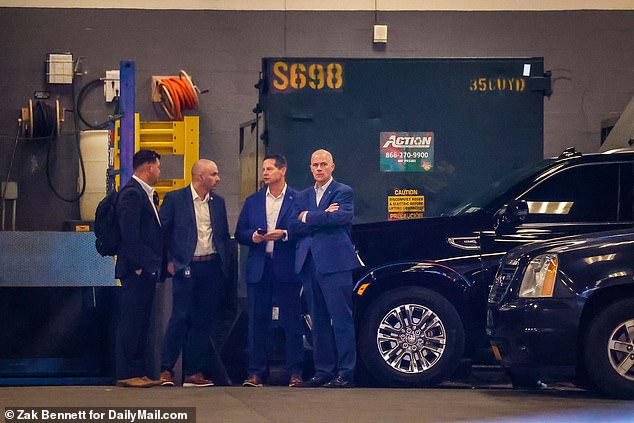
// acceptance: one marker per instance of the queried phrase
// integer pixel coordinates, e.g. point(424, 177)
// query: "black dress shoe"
point(314, 382)
point(339, 382)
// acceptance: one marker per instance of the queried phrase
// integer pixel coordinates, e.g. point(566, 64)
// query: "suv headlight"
point(539, 277)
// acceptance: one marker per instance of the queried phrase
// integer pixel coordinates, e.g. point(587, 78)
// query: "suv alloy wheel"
point(413, 337)
point(609, 349)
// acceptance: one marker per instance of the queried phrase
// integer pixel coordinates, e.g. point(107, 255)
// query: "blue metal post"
point(127, 105)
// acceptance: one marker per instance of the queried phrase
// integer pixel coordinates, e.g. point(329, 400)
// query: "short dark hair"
point(280, 161)
point(144, 156)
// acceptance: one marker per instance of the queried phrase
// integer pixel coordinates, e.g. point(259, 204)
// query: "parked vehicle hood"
point(577, 243)
point(418, 239)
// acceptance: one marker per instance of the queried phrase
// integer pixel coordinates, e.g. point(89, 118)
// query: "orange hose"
point(178, 95)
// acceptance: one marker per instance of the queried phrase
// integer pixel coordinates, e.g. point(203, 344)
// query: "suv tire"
point(607, 345)
point(422, 350)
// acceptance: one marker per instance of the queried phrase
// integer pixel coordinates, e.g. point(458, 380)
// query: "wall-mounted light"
point(379, 33)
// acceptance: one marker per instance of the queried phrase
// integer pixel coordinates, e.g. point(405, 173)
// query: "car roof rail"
point(619, 150)
point(569, 152)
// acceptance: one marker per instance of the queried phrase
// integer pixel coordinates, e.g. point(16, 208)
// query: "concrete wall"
point(591, 54)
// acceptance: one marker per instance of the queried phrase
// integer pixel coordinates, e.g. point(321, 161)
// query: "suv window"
point(584, 193)
point(627, 192)
point(495, 193)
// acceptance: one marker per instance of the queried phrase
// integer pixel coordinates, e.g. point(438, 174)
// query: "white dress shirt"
point(273, 207)
point(319, 193)
point(150, 195)
point(204, 244)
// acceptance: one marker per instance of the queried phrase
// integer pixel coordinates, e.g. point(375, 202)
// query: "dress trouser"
point(135, 299)
point(329, 298)
point(196, 297)
point(260, 303)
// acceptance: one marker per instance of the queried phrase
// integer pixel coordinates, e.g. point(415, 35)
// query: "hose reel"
point(178, 94)
point(40, 120)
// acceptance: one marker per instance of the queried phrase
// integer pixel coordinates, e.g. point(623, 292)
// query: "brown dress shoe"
point(295, 381)
point(197, 380)
point(138, 382)
point(166, 378)
point(149, 382)
point(126, 383)
point(253, 381)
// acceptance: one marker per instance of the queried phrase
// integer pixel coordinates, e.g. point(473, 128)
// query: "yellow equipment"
point(179, 138)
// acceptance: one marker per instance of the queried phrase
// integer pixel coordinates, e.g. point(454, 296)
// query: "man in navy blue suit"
point(325, 257)
point(262, 226)
point(139, 264)
point(196, 235)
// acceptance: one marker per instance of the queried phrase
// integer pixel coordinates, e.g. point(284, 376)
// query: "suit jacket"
point(141, 238)
point(180, 231)
point(326, 235)
point(252, 217)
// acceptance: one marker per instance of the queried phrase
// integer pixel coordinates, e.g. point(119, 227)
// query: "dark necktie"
point(155, 200)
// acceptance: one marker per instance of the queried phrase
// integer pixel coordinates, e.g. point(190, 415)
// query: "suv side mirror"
point(510, 215)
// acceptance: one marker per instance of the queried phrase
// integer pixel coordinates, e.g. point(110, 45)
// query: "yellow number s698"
point(299, 76)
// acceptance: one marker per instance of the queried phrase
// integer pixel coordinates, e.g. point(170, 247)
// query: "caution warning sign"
point(405, 204)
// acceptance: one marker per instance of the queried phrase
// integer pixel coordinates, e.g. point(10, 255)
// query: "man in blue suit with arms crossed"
point(262, 226)
point(321, 222)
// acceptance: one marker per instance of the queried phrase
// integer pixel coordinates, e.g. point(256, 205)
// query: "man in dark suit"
point(325, 257)
point(262, 226)
point(138, 267)
point(196, 236)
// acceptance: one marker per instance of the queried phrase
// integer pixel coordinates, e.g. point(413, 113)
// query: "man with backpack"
point(139, 264)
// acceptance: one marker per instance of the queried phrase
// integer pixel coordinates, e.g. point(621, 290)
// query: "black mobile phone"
point(261, 231)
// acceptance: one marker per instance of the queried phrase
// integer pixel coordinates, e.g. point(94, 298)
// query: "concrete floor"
point(282, 404)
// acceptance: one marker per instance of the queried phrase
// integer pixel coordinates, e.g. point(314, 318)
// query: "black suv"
point(564, 309)
point(420, 301)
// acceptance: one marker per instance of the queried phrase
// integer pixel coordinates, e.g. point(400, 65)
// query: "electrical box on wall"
point(111, 85)
point(380, 34)
point(59, 68)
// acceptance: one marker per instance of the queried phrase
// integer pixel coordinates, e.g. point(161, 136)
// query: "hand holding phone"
point(261, 231)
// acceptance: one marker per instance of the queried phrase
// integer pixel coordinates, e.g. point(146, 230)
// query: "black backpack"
point(107, 226)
